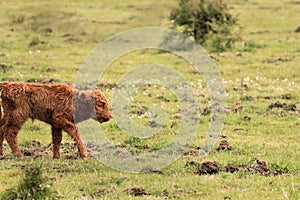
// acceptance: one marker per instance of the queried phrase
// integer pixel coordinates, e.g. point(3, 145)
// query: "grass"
point(42, 41)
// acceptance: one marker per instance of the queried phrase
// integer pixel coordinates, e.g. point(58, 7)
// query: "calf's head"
point(90, 105)
point(101, 107)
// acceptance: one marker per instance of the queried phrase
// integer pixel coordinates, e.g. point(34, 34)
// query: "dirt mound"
point(232, 168)
point(283, 96)
point(279, 59)
point(106, 85)
point(35, 149)
point(193, 163)
point(206, 167)
point(103, 191)
point(254, 167)
point(290, 107)
point(35, 42)
point(209, 168)
point(224, 145)
point(136, 191)
point(276, 105)
point(262, 168)
point(237, 108)
point(35, 143)
point(286, 96)
point(191, 152)
point(247, 118)
point(282, 109)
point(92, 146)
point(5, 67)
point(259, 167)
point(43, 81)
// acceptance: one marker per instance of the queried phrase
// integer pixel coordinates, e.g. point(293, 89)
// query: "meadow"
point(48, 42)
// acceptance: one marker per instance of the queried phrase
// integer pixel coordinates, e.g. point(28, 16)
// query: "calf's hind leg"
point(2, 123)
point(1, 141)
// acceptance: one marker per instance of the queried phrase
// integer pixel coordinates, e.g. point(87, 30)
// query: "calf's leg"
point(12, 139)
point(56, 141)
point(1, 141)
point(10, 130)
point(72, 130)
point(2, 122)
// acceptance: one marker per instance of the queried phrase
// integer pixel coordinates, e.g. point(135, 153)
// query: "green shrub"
point(207, 21)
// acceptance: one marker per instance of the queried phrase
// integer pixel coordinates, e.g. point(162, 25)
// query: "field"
point(48, 42)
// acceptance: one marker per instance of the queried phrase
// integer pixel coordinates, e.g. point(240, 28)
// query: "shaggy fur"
point(50, 103)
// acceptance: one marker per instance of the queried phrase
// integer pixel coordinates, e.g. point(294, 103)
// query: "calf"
point(59, 105)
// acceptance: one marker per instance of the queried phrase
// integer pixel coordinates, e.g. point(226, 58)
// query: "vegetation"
point(207, 21)
point(32, 186)
point(45, 41)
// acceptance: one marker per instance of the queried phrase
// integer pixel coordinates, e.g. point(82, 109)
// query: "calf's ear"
point(100, 99)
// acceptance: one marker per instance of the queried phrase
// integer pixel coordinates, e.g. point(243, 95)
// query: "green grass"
point(256, 73)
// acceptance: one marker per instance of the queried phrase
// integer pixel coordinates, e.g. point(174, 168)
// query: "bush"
point(32, 186)
point(207, 21)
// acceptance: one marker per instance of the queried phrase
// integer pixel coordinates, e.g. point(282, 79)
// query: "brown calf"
point(55, 104)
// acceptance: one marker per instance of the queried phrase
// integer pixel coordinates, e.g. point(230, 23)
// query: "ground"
point(48, 42)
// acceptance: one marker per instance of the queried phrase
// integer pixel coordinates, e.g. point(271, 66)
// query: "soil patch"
point(165, 193)
point(259, 167)
point(282, 109)
point(72, 40)
point(21, 166)
point(193, 163)
point(35, 42)
point(286, 96)
point(5, 67)
point(35, 149)
point(107, 85)
point(279, 59)
point(237, 108)
point(206, 167)
point(276, 105)
point(43, 81)
point(254, 167)
point(260, 32)
point(290, 107)
point(139, 110)
point(136, 191)
point(247, 118)
point(103, 191)
point(295, 2)
point(37, 152)
point(191, 152)
point(71, 156)
point(224, 145)
point(283, 96)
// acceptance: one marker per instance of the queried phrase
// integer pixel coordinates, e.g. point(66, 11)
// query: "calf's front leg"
point(56, 141)
point(11, 137)
point(72, 130)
